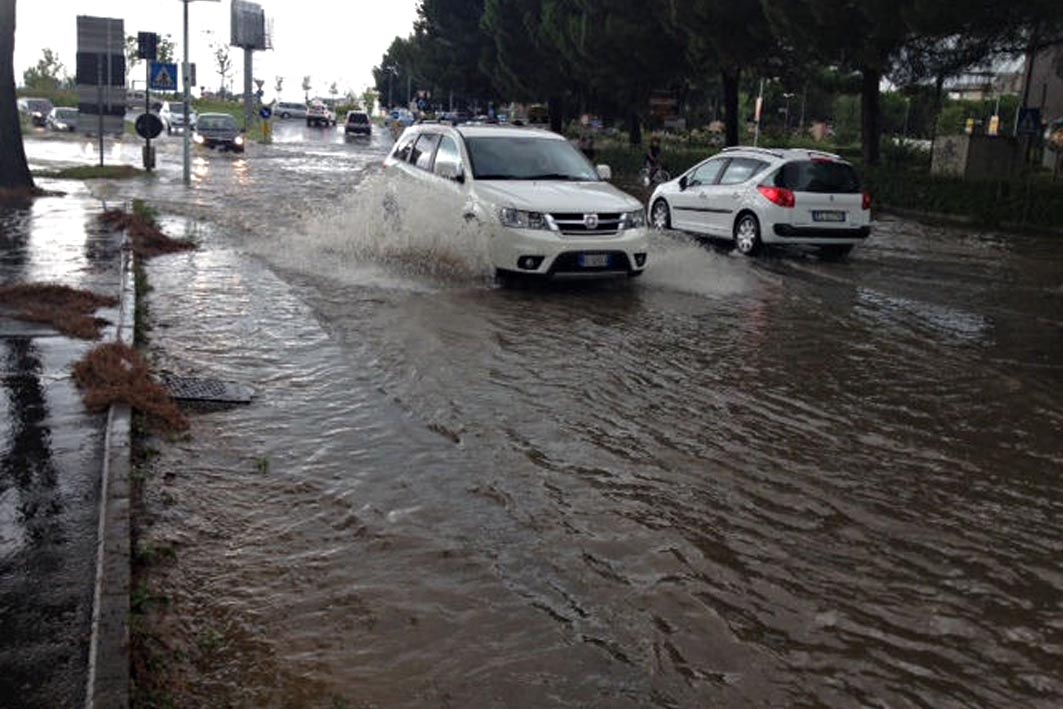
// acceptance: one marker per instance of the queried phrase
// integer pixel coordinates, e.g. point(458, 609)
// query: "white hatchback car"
point(757, 196)
point(547, 211)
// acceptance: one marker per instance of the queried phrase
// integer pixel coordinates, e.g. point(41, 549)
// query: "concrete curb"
point(108, 676)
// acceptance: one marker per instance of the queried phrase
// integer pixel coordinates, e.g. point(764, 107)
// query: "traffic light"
point(147, 46)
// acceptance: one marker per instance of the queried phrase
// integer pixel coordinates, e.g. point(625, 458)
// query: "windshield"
point(67, 114)
point(39, 104)
point(508, 158)
point(217, 123)
point(357, 118)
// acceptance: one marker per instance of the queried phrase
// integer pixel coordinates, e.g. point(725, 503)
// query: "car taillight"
point(778, 195)
point(865, 204)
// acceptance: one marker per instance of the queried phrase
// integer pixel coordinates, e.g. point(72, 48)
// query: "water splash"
point(390, 231)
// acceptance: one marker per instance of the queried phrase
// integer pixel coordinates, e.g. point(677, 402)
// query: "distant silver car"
point(287, 110)
point(63, 119)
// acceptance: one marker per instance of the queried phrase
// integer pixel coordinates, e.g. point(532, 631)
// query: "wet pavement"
point(737, 482)
point(50, 455)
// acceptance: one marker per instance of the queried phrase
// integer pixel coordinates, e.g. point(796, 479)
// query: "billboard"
point(249, 26)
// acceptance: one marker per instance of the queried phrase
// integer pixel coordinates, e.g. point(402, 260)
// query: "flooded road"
point(737, 482)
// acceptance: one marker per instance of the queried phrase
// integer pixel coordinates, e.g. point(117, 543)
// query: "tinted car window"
point(707, 173)
point(822, 176)
point(404, 147)
point(448, 158)
point(741, 169)
point(359, 118)
point(423, 149)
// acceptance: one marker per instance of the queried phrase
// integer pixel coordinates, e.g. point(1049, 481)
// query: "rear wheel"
point(747, 235)
point(661, 215)
point(835, 252)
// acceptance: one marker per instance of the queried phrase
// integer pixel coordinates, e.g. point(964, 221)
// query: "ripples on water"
point(736, 482)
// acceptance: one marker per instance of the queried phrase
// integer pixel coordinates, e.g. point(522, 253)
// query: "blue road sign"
point(163, 76)
point(266, 112)
point(1029, 122)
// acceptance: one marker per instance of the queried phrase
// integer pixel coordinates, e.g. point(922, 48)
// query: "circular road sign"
point(148, 125)
point(266, 112)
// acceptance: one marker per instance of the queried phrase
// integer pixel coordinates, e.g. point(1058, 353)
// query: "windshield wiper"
point(496, 177)
point(557, 176)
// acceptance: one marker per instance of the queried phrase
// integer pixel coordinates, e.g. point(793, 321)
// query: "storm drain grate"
point(214, 390)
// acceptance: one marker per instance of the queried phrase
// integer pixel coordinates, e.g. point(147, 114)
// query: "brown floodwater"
point(736, 482)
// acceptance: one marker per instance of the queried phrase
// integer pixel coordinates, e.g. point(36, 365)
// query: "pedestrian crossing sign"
point(163, 76)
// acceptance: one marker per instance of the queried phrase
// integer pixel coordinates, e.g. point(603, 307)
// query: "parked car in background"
point(63, 119)
point(756, 197)
point(173, 117)
point(218, 130)
point(357, 123)
point(318, 114)
point(546, 210)
point(37, 109)
point(286, 110)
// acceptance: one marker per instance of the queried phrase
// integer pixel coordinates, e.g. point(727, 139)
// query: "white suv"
point(545, 209)
point(757, 196)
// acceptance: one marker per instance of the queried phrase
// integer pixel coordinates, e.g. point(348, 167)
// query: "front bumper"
point(548, 253)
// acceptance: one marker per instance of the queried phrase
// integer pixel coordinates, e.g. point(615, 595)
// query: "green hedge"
point(1036, 202)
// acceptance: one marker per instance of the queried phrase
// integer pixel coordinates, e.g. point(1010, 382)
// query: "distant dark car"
point(63, 119)
point(37, 109)
point(218, 130)
point(357, 123)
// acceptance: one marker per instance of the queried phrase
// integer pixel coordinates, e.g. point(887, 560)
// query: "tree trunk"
point(556, 104)
point(634, 127)
point(14, 172)
point(870, 116)
point(730, 103)
point(939, 93)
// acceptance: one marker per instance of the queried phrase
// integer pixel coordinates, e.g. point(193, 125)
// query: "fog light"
point(529, 263)
point(640, 260)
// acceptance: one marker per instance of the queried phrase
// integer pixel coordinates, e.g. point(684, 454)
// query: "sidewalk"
point(51, 455)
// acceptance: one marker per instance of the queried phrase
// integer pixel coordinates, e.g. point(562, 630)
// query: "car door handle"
point(736, 195)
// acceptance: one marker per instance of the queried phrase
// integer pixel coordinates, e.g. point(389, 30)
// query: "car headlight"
point(198, 138)
point(239, 140)
point(519, 219)
point(633, 220)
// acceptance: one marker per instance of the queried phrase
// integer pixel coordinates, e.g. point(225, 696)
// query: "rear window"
point(357, 118)
point(819, 176)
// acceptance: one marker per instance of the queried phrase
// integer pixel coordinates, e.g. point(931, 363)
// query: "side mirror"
point(459, 175)
point(683, 182)
point(605, 172)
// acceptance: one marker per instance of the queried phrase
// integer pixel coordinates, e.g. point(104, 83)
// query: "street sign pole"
point(185, 132)
point(147, 109)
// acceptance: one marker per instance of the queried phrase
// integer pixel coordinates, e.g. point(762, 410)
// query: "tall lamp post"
point(185, 75)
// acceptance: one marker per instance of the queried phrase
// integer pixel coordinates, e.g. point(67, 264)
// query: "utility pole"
point(186, 75)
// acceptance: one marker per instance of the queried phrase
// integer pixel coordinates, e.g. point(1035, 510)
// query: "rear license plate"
point(821, 216)
point(594, 261)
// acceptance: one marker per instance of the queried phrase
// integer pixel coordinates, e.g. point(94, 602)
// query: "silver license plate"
point(594, 261)
point(826, 216)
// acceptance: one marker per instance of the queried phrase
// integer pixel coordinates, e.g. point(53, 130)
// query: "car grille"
point(575, 224)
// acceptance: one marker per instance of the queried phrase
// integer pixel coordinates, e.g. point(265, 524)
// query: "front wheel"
point(661, 215)
point(747, 235)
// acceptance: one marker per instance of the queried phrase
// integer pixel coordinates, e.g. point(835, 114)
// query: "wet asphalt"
point(50, 457)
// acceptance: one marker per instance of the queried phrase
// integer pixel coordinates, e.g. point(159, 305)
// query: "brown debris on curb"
point(117, 374)
point(148, 240)
point(66, 309)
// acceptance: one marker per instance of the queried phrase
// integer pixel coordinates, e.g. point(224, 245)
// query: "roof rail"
point(746, 148)
point(824, 153)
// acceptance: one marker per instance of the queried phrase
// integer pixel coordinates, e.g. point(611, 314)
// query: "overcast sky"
point(330, 41)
